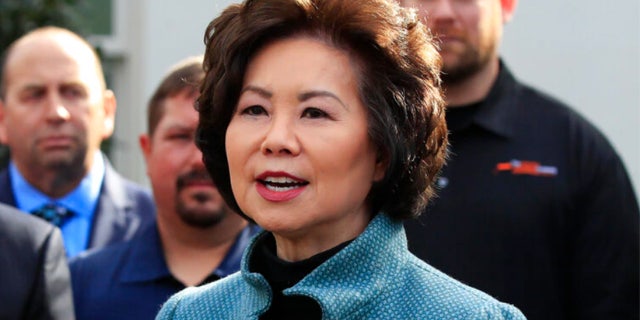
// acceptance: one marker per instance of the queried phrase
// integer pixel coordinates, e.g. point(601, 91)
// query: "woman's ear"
point(382, 163)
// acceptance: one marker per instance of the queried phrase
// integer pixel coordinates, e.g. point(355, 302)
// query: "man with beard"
point(55, 111)
point(197, 238)
point(535, 207)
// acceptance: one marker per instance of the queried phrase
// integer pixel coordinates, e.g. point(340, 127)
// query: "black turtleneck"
point(282, 274)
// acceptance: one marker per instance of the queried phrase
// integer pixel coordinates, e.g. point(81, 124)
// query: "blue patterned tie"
point(53, 213)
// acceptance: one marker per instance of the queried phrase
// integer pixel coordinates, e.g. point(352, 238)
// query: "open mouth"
point(282, 184)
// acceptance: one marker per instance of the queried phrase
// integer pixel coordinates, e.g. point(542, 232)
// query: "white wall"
point(150, 37)
point(587, 54)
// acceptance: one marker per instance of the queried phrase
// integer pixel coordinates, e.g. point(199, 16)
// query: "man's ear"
point(109, 105)
point(145, 145)
point(508, 9)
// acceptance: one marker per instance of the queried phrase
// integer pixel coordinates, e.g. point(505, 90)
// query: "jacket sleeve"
point(52, 298)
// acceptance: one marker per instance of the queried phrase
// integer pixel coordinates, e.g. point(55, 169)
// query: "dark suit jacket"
point(122, 209)
point(34, 277)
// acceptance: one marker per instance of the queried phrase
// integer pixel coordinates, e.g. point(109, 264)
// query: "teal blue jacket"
point(374, 277)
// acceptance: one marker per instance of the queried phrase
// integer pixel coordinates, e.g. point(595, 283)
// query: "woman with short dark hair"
point(323, 122)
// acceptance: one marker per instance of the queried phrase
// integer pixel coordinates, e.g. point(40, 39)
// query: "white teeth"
point(280, 189)
point(282, 184)
point(279, 180)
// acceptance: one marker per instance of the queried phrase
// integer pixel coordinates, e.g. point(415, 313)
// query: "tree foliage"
point(20, 16)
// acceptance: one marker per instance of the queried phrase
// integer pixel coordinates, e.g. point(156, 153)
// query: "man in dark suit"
point(55, 111)
point(34, 277)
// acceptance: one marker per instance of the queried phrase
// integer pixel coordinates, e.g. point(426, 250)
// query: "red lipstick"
point(279, 186)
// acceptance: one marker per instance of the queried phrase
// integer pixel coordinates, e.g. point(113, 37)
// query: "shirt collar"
point(233, 259)
point(349, 291)
point(497, 111)
point(379, 253)
point(147, 262)
point(82, 200)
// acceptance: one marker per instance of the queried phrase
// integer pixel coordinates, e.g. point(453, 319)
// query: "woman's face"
point(300, 159)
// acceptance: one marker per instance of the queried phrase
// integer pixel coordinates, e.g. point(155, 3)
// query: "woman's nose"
point(281, 138)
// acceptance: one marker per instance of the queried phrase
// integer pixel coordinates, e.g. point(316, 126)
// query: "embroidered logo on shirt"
point(531, 168)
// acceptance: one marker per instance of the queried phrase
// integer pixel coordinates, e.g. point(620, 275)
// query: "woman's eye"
point(314, 113)
point(254, 110)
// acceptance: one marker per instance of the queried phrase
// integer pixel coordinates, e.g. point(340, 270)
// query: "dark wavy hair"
point(398, 71)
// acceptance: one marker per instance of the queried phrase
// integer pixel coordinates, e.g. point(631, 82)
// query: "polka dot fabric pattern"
point(374, 277)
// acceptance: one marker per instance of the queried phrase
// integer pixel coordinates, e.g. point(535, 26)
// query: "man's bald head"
point(55, 110)
point(53, 36)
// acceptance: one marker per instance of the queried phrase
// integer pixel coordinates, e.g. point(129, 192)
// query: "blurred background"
point(585, 53)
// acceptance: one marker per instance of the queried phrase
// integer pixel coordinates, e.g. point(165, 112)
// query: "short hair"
point(397, 67)
point(184, 77)
point(52, 31)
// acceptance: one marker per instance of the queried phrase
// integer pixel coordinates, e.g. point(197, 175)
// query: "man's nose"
point(55, 109)
point(439, 10)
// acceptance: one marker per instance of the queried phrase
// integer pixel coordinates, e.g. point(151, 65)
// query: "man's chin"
point(59, 162)
point(454, 71)
point(201, 221)
point(201, 215)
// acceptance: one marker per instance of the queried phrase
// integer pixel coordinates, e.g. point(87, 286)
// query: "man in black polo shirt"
point(535, 207)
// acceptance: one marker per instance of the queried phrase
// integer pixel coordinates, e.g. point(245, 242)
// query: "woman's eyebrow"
point(320, 93)
point(260, 91)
